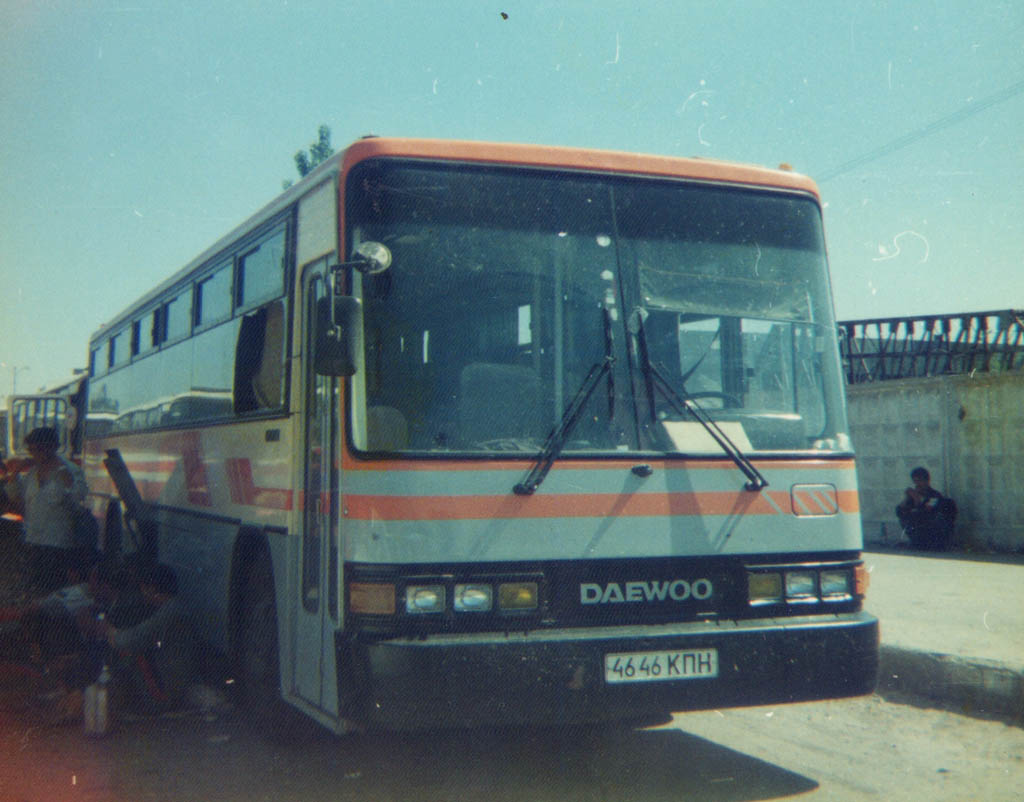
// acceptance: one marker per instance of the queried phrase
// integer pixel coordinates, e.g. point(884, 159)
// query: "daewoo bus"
point(458, 432)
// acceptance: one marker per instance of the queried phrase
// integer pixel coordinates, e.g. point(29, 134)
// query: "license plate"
point(660, 666)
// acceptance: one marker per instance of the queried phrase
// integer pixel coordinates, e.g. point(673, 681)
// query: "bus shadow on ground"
point(603, 764)
point(606, 762)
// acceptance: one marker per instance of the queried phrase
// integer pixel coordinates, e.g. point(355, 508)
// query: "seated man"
point(154, 661)
point(46, 628)
point(54, 640)
point(925, 514)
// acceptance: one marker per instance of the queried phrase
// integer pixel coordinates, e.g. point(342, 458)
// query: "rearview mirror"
point(369, 258)
point(376, 257)
point(339, 338)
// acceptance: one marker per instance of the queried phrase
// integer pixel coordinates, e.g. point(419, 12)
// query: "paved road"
point(939, 611)
point(851, 750)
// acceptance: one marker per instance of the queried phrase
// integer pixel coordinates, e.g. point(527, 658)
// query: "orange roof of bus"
point(485, 152)
point(576, 158)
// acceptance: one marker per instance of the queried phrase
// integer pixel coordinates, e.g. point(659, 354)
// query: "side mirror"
point(376, 257)
point(339, 338)
point(369, 258)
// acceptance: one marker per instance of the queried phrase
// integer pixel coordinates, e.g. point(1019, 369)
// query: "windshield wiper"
point(556, 440)
point(654, 379)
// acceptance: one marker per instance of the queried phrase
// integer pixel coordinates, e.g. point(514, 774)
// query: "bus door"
point(316, 610)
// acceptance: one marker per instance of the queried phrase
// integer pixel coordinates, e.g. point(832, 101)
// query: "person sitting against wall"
point(926, 515)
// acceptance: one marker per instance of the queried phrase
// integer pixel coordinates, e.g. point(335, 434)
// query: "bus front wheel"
point(258, 654)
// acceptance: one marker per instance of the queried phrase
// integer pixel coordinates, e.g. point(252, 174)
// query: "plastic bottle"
point(96, 699)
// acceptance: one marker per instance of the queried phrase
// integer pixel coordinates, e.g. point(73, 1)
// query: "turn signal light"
point(371, 598)
point(861, 580)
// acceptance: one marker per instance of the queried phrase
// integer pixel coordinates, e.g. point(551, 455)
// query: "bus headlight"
point(801, 586)
point(473, 598)
point(424, 599)
point(836, 585)
point(804, 584)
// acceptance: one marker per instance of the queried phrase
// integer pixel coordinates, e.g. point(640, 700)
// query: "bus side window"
point(259, 360)
point(261, 272)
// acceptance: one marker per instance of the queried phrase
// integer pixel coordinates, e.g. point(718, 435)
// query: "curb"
point(971, 686)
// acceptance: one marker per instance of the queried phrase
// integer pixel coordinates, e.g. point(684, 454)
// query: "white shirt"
point(49, 507)
point(70, 598)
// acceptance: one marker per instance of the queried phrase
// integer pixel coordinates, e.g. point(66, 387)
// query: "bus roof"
point(540, 156)
point(577, 159)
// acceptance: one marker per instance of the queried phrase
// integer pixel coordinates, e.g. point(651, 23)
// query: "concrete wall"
point(967, 431)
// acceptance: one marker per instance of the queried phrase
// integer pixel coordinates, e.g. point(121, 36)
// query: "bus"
point(59, 407)
point(454, 433)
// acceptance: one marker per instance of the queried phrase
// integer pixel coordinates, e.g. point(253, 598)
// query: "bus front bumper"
point(557, 676)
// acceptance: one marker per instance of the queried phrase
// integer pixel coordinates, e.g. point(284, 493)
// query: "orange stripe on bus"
point(590, 505)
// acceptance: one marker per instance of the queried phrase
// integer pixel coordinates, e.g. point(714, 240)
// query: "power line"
point(957, 116)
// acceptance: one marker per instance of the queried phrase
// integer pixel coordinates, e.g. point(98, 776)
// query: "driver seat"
point(499, 401)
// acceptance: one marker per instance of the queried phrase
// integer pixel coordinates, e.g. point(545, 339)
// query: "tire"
point(258, 657)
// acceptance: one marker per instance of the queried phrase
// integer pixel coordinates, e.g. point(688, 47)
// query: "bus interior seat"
point(499, 401)
point(386, 429)
point(268, 380)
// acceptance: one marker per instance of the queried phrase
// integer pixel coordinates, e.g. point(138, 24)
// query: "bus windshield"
point(505, 283)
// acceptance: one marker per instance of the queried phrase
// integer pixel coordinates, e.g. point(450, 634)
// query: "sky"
point(134, 133)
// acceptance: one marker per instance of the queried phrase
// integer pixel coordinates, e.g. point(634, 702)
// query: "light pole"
point(14, 375)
